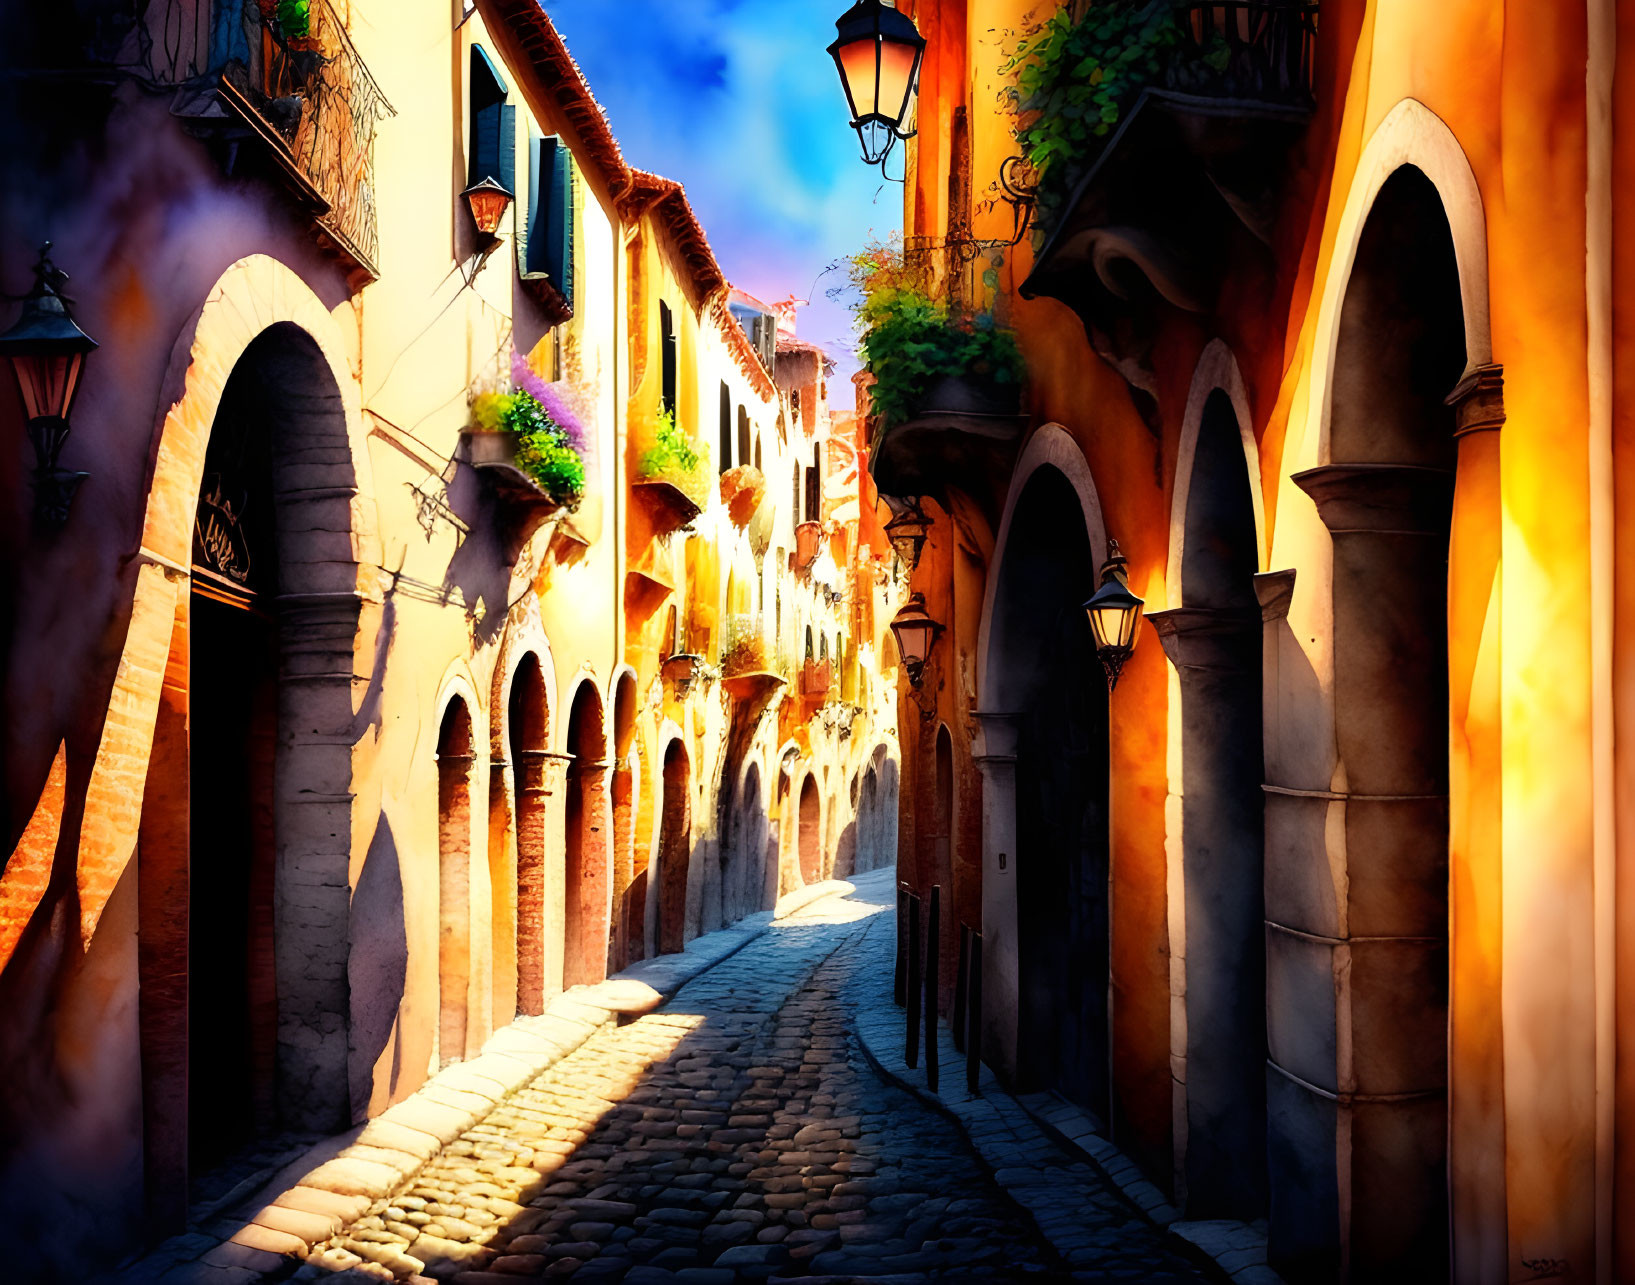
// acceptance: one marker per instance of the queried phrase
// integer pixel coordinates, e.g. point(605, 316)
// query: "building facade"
point(342, 719)
point(1320, 914)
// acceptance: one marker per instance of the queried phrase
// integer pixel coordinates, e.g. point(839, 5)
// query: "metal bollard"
point(973, 1016)
point(899, 980)
point(911, 1054)
point(958, 1022)
point(933, 938)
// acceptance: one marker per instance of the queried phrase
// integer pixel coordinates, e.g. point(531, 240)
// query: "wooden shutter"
point(493, 126)
point(549, 250)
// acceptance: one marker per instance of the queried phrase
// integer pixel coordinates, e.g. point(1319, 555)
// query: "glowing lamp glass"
point(488, 202)
point(1114, 614)
point(916, 633)
point(877, 51)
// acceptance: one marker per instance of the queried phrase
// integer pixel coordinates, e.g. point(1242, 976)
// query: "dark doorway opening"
point(1062, 862)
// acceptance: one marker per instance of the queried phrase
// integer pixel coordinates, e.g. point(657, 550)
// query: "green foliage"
point(1076, 81)
point(295, 19)
point(911, 342)
point(543, 449)
point(673, 458)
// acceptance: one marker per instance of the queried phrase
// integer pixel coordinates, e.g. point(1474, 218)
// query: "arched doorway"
point(233, 709)
point(1214, 641)
point(675, 850)
point(255, 1042)
point(1358, 1144)
point(454, 761)
point(811, 831)
point(1043, 674)
point(585, 875)
point(528, 725)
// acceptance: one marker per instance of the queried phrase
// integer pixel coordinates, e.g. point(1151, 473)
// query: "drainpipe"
point(1601, 34)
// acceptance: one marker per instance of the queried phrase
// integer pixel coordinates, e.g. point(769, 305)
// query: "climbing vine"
point(910, 340)
point(1077, 79)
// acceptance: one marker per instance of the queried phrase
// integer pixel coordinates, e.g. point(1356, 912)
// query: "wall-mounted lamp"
point(908, 532)
point(916, 634)
point(488, 201)
point(47, 353)
point(1114, 614)
point(877, 51)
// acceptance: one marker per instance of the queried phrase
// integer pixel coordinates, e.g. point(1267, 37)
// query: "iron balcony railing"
point(302, 90)
point(1270, 47)
point(322, 102)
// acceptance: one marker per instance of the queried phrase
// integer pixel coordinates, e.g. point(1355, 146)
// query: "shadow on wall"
point(378, 964)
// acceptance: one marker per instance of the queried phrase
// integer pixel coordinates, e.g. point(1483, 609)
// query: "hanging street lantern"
point(916, 634)
point(907, 533)
point(47, 353)
point(1114, 614)
point(877, 51)
point(488, 202)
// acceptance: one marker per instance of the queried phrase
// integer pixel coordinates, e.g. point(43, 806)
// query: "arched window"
point(743, 435)
point(809, 642)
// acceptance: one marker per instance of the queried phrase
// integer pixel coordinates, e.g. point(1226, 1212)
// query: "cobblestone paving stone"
point(738, 1134)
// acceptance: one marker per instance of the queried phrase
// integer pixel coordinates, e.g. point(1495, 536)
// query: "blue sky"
point(739, 101)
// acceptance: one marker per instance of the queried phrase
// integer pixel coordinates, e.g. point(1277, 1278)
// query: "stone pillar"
point(586, 959)
point(1357, 903)
point(531, 770)
point(162, 944)
point(1001, 965)
point(553, 883)
point(1220, 1042)
point(315, 811)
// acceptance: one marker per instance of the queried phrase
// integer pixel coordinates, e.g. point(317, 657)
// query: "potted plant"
point(673, 470)
point(515, 430)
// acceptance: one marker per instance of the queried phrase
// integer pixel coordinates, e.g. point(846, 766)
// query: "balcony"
point(1189, 187)
point(307, 105)
point(964, 433)
point(749, 667)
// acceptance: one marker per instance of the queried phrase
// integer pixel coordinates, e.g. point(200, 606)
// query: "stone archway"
point(675, 849)
point(259, 469)
point(1358, 1097)
point(1217, 934)
point(586, 874)
point(1046, 957)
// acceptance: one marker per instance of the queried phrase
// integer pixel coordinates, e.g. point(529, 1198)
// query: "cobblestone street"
point(739, 1133)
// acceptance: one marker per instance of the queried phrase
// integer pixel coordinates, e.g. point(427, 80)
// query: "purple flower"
point(554, 398)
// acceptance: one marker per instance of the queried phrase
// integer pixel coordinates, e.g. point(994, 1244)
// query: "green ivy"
point(543, 449)
point(1076, 81)
point(672, 458)
point(295, 18)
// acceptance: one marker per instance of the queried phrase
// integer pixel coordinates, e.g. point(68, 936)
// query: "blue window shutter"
point(506, 149)
point(560, 243)
point(550, 215)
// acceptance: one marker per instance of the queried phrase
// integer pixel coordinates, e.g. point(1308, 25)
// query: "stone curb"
point(1228, 1251)
point(331, 1186)
point(1003, 1133)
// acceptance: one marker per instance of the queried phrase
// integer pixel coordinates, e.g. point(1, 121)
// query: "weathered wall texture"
point(1509, 116)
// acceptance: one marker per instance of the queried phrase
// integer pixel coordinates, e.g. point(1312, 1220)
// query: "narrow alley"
point(739, 1132)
